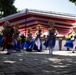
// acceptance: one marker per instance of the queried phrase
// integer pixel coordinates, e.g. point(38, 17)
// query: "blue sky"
point(63, 6)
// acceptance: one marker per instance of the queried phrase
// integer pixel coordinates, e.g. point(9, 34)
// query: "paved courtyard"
point(38, 63)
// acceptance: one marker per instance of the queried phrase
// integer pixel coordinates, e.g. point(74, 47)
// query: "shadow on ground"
point(35, 63)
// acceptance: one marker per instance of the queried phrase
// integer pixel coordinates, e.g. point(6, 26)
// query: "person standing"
point(68, 38)
point(29, 40)
point(72, 43)
point(60, 43)
point(38, 41)
point(8, 37)
point(17, 39)
point(23, 39)
point(51, 39)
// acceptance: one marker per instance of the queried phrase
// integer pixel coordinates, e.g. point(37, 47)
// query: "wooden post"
point(25, 20)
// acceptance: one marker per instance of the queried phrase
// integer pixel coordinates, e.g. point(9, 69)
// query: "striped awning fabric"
point(31, 18)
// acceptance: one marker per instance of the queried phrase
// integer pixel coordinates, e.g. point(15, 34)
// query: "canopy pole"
point(25, 20)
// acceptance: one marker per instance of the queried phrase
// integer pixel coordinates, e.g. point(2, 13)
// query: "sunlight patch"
point(59, 66)
point(21, 59)
point(55, 60)
point(8, 61)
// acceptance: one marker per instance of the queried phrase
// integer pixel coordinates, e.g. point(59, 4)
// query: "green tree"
point(73, 1)
point(7, 8)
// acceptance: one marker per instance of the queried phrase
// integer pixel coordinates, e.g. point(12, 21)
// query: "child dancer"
point(51, 39)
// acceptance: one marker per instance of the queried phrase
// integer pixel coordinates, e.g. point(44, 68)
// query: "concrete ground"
point(38, 63)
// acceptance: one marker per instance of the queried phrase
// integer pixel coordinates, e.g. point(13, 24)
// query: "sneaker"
point(39, 50)
point(73, 52)
point(2, 50)
point(29, 50)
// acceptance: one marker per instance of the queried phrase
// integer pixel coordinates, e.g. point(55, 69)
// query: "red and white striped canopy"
point(31, 18)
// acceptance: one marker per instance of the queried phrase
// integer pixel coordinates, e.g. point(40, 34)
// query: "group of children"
point(11, 39)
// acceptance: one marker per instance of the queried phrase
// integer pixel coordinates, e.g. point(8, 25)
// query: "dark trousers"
point(60, 44)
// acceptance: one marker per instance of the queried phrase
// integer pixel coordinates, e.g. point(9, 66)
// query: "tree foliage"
point(7, 8)
point(73, 1)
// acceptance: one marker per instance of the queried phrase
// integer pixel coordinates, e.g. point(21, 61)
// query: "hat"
point(38, 26)
point(51, 22)
point(74, 26)
point(16, 25)
point(29, 28)
point(3, 25)
point(7, 23)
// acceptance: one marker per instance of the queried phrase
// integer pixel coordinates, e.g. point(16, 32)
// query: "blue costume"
point(1, 39)
point(26, 45)
point(16, 41)
point(70, 43)
point(33, 44)
point(51, 39)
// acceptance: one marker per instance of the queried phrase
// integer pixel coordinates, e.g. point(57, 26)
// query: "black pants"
point(60, 44)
